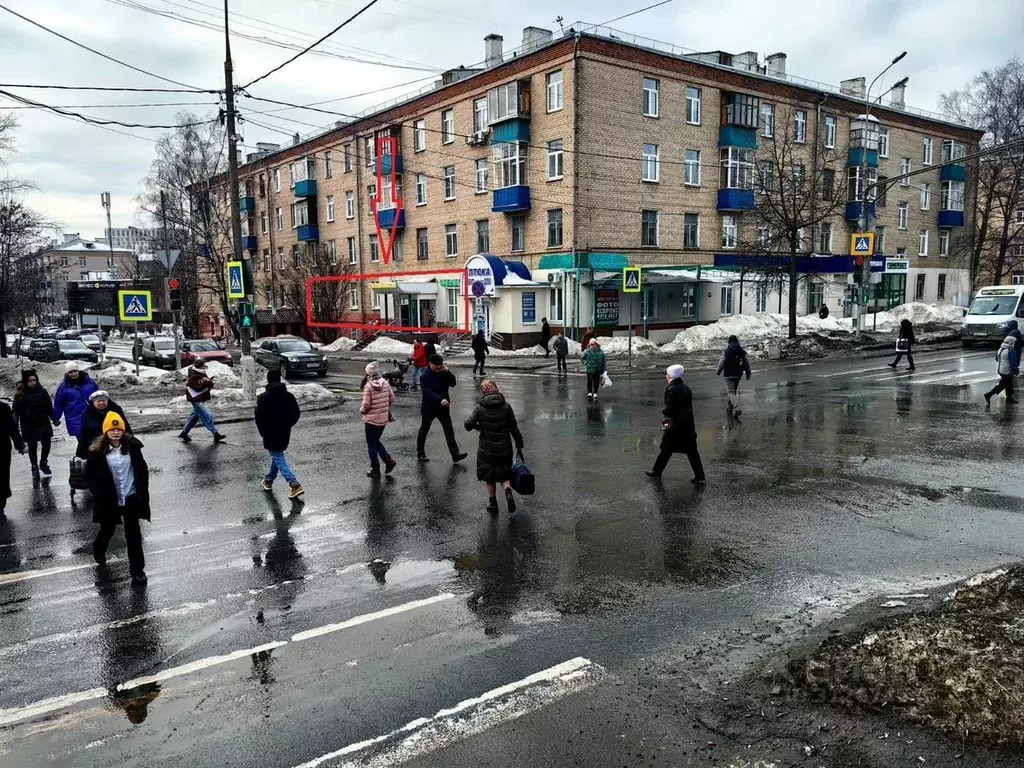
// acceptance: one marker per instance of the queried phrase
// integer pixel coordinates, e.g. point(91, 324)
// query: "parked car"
point(75, 349)
point(204, 349)
point(92, 342)
point(25, 344)
point(70, 333)
point(157, 351)
point(49, 332)
point(44, 350)
point(291, 355)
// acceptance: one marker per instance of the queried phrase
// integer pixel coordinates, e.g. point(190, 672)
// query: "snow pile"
point(575, 348)
point(619, 345)
point(535, 351)
point(306, 394)
point(385, 345)
point(121, 377)
point(714, 336)
point(50, 374)
point(341, 344)
point(920, 313)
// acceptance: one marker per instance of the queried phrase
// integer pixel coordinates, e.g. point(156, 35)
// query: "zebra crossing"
point(957, 370)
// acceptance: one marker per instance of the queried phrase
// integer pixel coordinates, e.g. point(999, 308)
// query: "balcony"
point(951, 219)
point(386, 218)
point(737, 136)
point(735, 200)
point(309, 233)
point(249, 242)
point(853, 210)
point(305, 188)
point(247, 205)
point(953, 173)
point(386, 161)
point(511, 199)
point(517, 129)
point(855, 157)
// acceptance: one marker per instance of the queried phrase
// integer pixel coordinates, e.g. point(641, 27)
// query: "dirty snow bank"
point(714, 336)
point(121, 377)
point(619, 345)
point(306, 394)
point(385, 345)
point(341, 344)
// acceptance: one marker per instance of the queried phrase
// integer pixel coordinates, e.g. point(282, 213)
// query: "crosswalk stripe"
point(921, 363)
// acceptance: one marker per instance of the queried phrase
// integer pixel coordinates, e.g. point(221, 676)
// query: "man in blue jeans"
point(277, 412)
point(197, 392)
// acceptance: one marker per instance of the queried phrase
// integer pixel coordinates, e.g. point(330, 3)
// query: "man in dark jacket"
point(277, 411)
point(734, 363)
point(8, 434)
point(679, 432)
point(435, 384)
point(561, 345)
point(545, 336)
point(479, 352)
point(100, 405)
point(197, 392)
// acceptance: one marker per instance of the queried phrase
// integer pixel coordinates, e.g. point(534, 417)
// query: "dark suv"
point(291, 355)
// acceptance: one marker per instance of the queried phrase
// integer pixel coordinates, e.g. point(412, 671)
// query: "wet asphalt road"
point(264, 639)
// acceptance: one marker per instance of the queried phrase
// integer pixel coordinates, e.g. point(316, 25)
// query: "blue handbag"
point(523, 481)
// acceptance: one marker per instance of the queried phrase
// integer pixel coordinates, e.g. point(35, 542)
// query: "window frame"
point(726, 306)
point(555, 226)
point(926, 196)
point(902, 215)
point(951, 195)
point(768, 119)
point(800, 126)
point(556, 160)
point(650, 164)
point(940, 287)
point(374, 249)
point(650, 103)
point(650, 224)
point(510, 164)
point(691, 226)
point(421, 187)
point(451, 241)
point(350, 245)
point(555, 88)
point(422, 244)
point(730, 232)
point(332, 252)
point(920, 286)
point(825, 244)
point(483, 245)
point(694, 98)
point(482, 166)
point(944, 242)
point(419, 135)
point(922, 242)
point(906, 166)
point(927, 150)
point(689, 165)
point(330, 208)
point(736, 168)
point(517, 228)
point(480, 115)
point(449, 182)
point(831, 131)
point(448, 125)
point(350, 204)
point(883, 140)
point(328, 165)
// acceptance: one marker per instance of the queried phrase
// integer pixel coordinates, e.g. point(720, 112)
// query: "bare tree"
point(798, 188)
point(994, 103)
point(188, 160)
point(330, 298)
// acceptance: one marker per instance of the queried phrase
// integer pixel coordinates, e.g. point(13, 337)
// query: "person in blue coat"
point(72, 398)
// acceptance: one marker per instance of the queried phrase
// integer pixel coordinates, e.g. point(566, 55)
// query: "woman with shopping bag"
point(594, 364)
point(494, 418)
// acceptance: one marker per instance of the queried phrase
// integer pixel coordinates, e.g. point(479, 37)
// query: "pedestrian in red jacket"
point(419, 362)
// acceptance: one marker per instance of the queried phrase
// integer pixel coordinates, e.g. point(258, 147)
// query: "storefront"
point(504, 300)
point(410, 302)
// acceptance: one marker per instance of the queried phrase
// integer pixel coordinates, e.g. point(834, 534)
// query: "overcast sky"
point(948, 42)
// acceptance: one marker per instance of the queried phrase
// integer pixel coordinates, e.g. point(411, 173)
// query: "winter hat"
point(70, 365)
point(372, 371)
point(99, 394)
point(733, 339)
point(593, 343)
point(674, 371)
point(273, 376)
point(113, 421)
point(27, 373)
point(199, 364)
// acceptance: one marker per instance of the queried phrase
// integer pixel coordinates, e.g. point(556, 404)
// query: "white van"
point(990, 313)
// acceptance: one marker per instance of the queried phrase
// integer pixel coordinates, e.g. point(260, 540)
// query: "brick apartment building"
point(551, 167)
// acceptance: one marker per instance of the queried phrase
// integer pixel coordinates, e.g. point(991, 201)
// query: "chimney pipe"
point(493, 50)
point(855, 87)
point(534, 38)
point(776, 64)
point(898, 97)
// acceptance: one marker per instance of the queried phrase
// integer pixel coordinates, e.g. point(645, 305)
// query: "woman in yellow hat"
point(118, 478)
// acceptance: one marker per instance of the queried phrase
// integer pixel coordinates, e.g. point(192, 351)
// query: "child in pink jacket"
point(378, 398)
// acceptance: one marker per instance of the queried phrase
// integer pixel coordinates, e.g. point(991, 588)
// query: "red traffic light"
point(859, 261)
point(173, 284)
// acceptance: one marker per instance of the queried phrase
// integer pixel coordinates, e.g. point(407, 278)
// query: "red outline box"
point(388, 276)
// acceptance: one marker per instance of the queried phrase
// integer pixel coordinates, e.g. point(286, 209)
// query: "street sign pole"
point(632, 282)
point(136, 350)
point(629, 342)
point(177, 345)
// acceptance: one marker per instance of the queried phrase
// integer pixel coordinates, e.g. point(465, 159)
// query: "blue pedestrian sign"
point(862, 244)
point(135, 306)
point(236, 288)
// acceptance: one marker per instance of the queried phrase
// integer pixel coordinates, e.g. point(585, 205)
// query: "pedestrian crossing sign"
point(862, 244)
point(135, 306)
point(236, 288)
point(631, 280)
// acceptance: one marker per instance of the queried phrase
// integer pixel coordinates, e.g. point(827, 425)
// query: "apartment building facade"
point(78, 259)
point(543, 173)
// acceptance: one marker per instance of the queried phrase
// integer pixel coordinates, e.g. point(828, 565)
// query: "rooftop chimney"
point(854, 87)
point(746, 61)
point(534, 38)
point(898, 97)
point(493, 50)
point(775, 64)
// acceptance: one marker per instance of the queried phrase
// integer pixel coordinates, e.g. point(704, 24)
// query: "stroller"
point(76, 477)
point(396, 376)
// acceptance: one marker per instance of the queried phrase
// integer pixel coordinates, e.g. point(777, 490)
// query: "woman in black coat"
point(479, 346)
point(8, 434)
point(118, 478)
point(679, 432)
point(496, 422)
point(33, 409)
point(905, 344)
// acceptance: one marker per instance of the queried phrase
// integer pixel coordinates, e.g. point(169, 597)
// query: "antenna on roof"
point(558, 21)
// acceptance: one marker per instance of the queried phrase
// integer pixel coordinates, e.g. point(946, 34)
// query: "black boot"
point(510, 500)
point(492, 505)
point(374, 471)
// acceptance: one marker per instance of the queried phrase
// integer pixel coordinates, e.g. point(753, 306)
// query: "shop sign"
point(450, 282)
point(480, 275)
point(607, 307)
point(529, 308)
point(383, 286)
point(898, 266)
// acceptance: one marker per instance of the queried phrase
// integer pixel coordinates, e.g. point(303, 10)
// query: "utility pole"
point(248, 365)
point(167, 260)
point(105, 201)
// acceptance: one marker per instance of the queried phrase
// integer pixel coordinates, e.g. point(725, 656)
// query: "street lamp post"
point(867, 221)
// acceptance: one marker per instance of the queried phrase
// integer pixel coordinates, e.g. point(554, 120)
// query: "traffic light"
point(173, 294)
point(246, 314)
point(248, 278)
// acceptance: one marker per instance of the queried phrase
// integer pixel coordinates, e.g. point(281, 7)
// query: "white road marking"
point(366, 617)
point(58, 703)
point(12, 578)
point(948, 377)
point(922, 361)
point(468, 718)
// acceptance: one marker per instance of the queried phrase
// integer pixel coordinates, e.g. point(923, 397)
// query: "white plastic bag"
point(606, 380)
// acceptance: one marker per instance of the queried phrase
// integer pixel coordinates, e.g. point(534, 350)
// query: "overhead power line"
point(93, 50)
point(94, 120)
point(284, 64)
point(105, 88)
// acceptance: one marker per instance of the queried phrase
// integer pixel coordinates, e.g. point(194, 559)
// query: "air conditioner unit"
point(554, 277)
point(480, 137)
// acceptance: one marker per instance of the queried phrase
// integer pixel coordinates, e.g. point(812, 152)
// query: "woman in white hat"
point(378, 397)
point(679, 432)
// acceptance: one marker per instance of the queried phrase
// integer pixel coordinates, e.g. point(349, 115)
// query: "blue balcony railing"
point(737, 136)
point(853, 210)
point(512, 130)
point(386, 218)
point(855, 157)
point(386, 161)
point(305, 188)
point(247, 205)
point(511, 199)
point(249, 242)
point(735, 200)
point(951, 219)
point(953, 173)
point(309, 233)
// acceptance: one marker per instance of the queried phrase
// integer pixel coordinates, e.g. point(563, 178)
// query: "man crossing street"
point(435, 384)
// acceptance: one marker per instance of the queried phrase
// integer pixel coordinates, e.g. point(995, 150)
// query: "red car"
point(205, 349)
